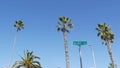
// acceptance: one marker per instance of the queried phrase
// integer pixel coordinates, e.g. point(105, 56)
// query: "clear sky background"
point(40, 35)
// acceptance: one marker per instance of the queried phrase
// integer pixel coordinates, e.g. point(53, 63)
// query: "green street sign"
point(79, 43)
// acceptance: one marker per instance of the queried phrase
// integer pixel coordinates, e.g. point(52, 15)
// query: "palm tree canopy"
point(105, 33)
point(63, 23)
point(19, 25)
point(28, 61)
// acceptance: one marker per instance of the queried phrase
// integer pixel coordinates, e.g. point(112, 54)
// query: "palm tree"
point(28, 61)
point(104, 31)
point(62, 25)
point(18, 25)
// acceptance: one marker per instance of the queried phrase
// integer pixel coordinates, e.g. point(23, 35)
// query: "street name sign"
point(79, 43)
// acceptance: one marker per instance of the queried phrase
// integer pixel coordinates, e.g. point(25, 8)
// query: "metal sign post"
point(93, 56)
point(80, 54)
point(80, 43)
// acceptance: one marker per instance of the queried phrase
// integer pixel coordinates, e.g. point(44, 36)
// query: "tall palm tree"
point(63, 24)
point(104, 31)
point(28, 61)
point(18, 25)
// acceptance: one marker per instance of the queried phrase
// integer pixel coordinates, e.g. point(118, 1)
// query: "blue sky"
point(40, 35)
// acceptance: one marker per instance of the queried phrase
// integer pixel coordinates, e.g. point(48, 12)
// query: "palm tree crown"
point(105, 33)
point(28, 61)
point(19, 25)
point(63, 21)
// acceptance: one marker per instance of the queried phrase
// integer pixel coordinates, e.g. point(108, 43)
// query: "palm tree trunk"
point(66, 50)
point(13, 48)
point(110, 54)
point(27, 66)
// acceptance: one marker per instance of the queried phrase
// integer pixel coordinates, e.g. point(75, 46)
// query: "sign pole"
point(80, 53)
point(80, 43)
point(93, 56)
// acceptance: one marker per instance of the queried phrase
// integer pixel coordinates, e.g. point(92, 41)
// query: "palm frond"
point(36, 63)
point(62, 18)
point(68, 31)
point(14, 25)
point(22, 58)
point(98, 34)
point(70, 25)
point(58, 27)
point(98, 29)
point(17, 63)
point(36, 57)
